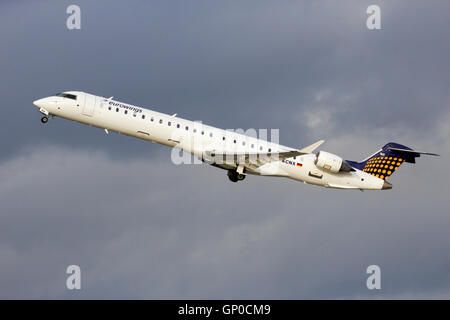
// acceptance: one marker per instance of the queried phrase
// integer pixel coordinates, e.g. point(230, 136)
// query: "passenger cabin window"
point(187, 128)
point(178, 125)
point(169, 123)
point(160, 121)
point(151, 119)
point(126, 111)
point(143, 116)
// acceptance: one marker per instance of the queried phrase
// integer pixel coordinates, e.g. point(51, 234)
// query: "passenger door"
point(89, 105)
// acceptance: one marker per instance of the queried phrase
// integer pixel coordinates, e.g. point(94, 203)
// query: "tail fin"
point(388, 159)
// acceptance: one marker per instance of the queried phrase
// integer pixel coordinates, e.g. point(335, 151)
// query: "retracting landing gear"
point(44, 119)
point(235, 176)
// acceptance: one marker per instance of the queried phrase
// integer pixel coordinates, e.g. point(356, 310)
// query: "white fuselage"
point(180, 133)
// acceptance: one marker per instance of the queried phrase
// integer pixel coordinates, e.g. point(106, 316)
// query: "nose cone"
point(386, 185)
point(38, 103)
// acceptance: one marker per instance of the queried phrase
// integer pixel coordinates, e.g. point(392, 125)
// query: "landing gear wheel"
point(232, 175)
point(44, 119)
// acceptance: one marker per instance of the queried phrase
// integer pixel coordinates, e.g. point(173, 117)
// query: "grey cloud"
point(148, 229)
point(226, 62)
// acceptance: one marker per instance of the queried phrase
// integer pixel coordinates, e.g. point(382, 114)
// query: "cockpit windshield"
point(66, 95)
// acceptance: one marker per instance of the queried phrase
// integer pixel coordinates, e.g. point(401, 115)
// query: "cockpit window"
point(66, 95)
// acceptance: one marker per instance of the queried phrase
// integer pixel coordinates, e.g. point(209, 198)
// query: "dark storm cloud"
point(232, 64)
point(158, 234)
point(141, 227)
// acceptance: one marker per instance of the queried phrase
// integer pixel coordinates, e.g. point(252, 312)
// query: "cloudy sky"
point(142, 227)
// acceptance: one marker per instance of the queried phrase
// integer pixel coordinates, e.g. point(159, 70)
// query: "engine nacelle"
point(331, 162)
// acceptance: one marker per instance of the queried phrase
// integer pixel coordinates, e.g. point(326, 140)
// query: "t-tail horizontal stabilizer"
point(416, 153)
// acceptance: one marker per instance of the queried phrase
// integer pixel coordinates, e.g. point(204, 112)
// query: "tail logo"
point(382, 167)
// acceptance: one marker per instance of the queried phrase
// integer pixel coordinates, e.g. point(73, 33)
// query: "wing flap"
point(251, 158)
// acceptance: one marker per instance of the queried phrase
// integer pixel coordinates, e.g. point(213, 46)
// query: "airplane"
point(239, 154)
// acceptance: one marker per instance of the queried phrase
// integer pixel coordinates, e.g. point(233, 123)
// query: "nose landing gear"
point(46, 114)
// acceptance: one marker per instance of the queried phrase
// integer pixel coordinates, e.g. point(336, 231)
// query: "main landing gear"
point(44, 119)
point(235, 176)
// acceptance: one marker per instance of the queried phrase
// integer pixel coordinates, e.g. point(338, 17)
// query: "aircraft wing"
point(258, 159)
point(311, 147)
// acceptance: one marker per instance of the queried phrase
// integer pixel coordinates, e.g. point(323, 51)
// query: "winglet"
point(311, 148)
